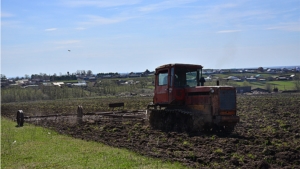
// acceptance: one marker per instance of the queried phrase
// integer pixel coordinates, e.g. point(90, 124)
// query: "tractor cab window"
point(191, 78)
point(185, 77)
point(163, 78)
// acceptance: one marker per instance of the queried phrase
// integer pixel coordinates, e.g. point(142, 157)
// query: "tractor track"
point(171, 120)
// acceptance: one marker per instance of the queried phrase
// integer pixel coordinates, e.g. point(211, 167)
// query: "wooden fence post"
point(79, 114)
point(20, 118)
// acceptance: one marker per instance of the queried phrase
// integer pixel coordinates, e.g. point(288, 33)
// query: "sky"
point(60, 36)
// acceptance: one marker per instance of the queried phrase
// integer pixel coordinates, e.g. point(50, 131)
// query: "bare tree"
point(3, 76)
point(260, 69)
point(89, 72)
point(147, 71)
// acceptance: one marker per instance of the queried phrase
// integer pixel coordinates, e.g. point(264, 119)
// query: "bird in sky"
point(69, 50)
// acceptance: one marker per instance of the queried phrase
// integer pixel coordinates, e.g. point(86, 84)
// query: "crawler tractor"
point(182, 103)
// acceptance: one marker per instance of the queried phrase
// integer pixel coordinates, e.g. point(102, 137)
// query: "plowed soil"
point(268, 136)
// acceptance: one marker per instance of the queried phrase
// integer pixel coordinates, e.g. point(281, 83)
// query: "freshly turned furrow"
point(171, 120)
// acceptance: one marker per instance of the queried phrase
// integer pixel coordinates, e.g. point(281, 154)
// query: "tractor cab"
point(171, 80)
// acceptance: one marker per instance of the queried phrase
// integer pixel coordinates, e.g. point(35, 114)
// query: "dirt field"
point(268, 136)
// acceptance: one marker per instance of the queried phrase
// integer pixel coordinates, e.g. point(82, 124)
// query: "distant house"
point(31, 86)
point(22, 82)
point(231, 77)
point(92, 79)
point(116, 76)
point(58, 84)
point(106, 76)
point(207, 72)
point(151, 73)
point(80, 84)
point(238, 80)
point(13, 85)
point(259, 90)
point(292, 77)
point(36, 81)
point(237, 70)
point(135, 74)
point(250, 71)
point(243, 89)
point(47, 84)
point(251, 79)
point(129, 82)
point(281, 78)
point(123, 76)
point(4, 82)
point(271, 70)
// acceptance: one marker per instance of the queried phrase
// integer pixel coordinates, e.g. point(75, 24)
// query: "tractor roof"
point(180, 65)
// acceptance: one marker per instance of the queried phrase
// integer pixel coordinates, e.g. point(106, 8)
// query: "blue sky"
point(135, 35)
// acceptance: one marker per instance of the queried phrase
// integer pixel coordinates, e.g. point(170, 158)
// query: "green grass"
point(281, 85)
point(36, 147)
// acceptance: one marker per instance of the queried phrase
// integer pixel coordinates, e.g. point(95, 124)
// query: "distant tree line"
point(62, 78)
point(110, 73)
point(54, 77)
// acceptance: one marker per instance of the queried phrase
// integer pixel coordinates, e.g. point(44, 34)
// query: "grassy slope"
point(281, 85)
point(284, 85)
point(36, 147)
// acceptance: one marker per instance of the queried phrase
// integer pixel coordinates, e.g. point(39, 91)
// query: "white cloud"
point(293, 27)
point(51, 29)
point(164, 5)
point(233, 16)
point(6, 15)
point(229, 31)
point(11, 24)
point(96, 20)
point(67, 42)
point(101, 4)
point(6, 22)
point(219, 15)
point(80, 28)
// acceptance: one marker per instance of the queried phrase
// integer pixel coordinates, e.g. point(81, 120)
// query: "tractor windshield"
point(185, 77)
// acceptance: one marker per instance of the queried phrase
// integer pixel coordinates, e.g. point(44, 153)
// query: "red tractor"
point(182, 103)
